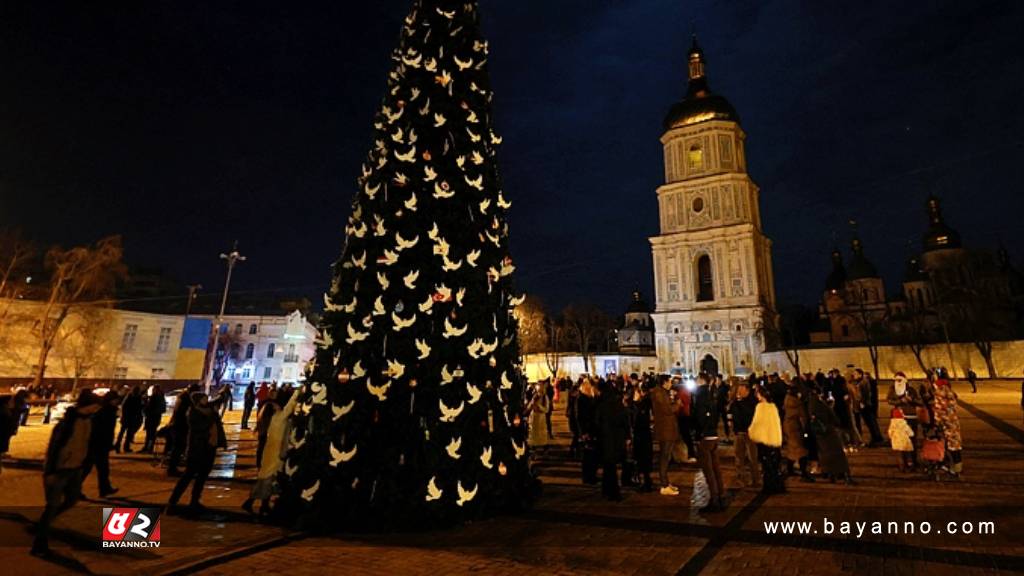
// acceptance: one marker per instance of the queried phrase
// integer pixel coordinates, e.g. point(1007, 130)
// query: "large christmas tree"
point(413, 407)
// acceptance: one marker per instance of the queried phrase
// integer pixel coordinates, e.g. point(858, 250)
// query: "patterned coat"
point(945, 409)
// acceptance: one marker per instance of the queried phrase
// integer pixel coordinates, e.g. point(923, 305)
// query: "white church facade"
point(712, 261)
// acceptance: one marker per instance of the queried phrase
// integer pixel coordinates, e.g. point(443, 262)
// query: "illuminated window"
point(128, 337)
point(705, 285)
point(696, 158)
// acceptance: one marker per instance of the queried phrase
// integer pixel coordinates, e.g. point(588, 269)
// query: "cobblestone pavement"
point(571, 530)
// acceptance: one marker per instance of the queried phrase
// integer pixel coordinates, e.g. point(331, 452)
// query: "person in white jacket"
point(766, 431)
point(901, 436)
point(278, 437)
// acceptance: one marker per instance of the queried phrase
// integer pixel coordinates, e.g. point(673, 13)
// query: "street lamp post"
point(231, 258)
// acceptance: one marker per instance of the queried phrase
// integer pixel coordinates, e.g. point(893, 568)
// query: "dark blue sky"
point(184, 126)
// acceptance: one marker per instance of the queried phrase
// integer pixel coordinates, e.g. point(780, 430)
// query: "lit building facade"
point(712, 262)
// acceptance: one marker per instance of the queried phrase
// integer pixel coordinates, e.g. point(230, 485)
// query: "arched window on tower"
point(705, 284)
point(695, 158)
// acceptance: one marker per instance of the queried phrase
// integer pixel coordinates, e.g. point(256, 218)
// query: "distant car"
point(172, 398)
point(68, 400)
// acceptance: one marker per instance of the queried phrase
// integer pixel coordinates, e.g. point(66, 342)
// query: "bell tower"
point(712, 262)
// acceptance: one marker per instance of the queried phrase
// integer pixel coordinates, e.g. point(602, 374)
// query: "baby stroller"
point(937, 460)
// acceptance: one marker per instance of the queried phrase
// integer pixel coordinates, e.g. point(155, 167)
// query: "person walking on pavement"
point(795, 431)
point(179, 429)
point(666, 431)
point(248, 401)
point(973, 379)
point(66, 455)
point(704, 411)
point(153, 410)
point(205, 435)
point(273, 460)
point(101, 442)
point(131, 420)
point(226, 399)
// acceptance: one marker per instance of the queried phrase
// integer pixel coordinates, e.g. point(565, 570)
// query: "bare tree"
point(531, 317)
point(15, 255)
point(586, 325)
point(76, 276)
point(779, 333)
point(912, 328)
point(870, 321)
point(980, 317)
point(554, 328)
point(85, 345)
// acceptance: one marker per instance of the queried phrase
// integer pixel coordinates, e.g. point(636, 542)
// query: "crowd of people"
point(84, 437)
point(779, 426)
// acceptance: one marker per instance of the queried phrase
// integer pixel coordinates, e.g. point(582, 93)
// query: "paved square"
point(571, 530)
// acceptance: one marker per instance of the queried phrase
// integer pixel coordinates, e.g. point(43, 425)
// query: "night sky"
point(184, 126)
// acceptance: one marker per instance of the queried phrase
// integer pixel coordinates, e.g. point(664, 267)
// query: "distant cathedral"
point(712, 262)
point(945, 272)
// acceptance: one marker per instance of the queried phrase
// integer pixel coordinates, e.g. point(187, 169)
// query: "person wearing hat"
point(205, 435)
point(66, 455)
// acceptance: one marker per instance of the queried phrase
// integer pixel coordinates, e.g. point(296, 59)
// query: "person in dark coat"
point(101, 441)
point(612, 425)
point(205, 435)
point(570, 414)
point(831, 457)
point(748, 470)
point(586, 406)
point(704, 413)
point(777, 389)
point(179, 429)
point(11, 407)
point(248, 401)
point(722, 395)
point(868, 387)
point(131, 420)
point(154, 410)
point(643, 441)
point(66, 454)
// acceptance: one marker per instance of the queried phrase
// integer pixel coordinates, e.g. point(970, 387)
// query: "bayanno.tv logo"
point(131, 527)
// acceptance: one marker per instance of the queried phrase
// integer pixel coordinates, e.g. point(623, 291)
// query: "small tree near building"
point(78, 276)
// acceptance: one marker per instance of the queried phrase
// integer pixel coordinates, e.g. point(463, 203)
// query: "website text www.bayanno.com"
point(859, 529)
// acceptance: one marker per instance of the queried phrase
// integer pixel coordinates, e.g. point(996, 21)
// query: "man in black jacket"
point(704, 412)
point(248, 401)
point(179, 429)
point(154, 410)
point(748, 468)
point(131, 419)
point(101, 441)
